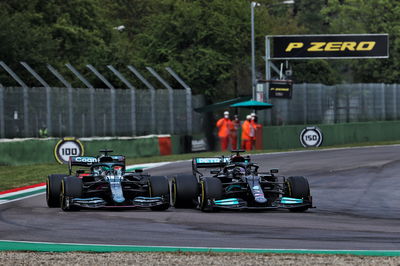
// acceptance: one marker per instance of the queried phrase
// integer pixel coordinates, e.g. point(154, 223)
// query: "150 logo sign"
point(330, 46)
point(67, 147)
point(311, 137)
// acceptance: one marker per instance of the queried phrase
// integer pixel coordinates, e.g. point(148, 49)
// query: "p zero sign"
point(340, 46)
point(66, 147)
point(280, 89)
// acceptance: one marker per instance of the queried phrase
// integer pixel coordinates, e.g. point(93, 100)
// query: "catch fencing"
point(84, 112)
point(343, 103)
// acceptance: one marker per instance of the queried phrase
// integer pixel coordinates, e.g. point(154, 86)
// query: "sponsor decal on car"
point(212, 160)
point(86, 159)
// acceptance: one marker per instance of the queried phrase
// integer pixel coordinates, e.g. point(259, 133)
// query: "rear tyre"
point(211, 189)
point(298, 187)
point(185, 190)
point(53, 189)
point(159, 187)
point(71, 187)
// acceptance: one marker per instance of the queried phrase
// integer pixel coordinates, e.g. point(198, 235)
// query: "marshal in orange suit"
point(224, 126)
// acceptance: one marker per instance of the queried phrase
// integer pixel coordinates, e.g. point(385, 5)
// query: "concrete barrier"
point(36, 151)
point(130, 147)
point(27, 151)
point(288, 137)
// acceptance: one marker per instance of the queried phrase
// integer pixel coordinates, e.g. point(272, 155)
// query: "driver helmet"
point(240, 170)
point(237, 159)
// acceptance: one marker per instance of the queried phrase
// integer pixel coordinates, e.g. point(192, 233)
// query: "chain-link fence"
point(321, 104)
point(96, 112)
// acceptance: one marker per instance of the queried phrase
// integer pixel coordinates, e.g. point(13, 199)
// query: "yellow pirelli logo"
point(279, 89)
point(332, 46)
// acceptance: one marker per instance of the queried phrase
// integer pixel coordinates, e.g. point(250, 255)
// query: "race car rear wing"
point(210, 162)
point(114, 159)
point(82, 160)
point(88, 161)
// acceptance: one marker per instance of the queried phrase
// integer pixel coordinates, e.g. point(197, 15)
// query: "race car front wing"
point(281, 203)
point(137, 202)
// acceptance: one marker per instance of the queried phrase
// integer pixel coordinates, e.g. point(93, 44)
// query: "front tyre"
point(211, 189)
point(53, 189)
point(71, 187)
point(298, 187)
point(159, 187)
point(185, 190)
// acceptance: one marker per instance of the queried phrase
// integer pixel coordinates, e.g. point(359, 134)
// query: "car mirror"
point(274, 171)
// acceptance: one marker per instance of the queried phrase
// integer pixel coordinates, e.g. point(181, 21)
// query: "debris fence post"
point(25, 97)
point(91, 97)
point(70, 98)
point(133, 97)
point(152, 97)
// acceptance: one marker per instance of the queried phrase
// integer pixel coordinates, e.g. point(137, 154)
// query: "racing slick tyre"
point(159, 187)
point(71, 187)
point(211, 189)
point(298, 188)
point(53, 189)
point(185, 190)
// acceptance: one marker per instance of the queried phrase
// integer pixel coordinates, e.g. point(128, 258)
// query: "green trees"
point(207, 42)
point(368, 16)
point(55, 32)
point(351, 17)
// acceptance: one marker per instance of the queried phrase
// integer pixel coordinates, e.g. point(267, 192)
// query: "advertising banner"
point(280, 89)
point(340, 46)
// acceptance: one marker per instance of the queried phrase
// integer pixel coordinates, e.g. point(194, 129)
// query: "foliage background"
point(207, 42)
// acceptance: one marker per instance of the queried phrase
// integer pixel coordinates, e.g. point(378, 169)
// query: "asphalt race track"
point(356, 191)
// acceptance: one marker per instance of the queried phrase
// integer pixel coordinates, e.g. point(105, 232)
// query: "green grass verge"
point(18, 176)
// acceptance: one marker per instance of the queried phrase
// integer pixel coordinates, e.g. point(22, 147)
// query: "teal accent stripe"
point(54, 247)
point(24, 194)
point(227, 203)
point(225, 200)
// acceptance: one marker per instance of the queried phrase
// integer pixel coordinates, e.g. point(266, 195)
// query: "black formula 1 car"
point(106, 184)
point(235, 183)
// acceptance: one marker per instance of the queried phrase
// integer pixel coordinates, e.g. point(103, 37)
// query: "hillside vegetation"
point(207, 42)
